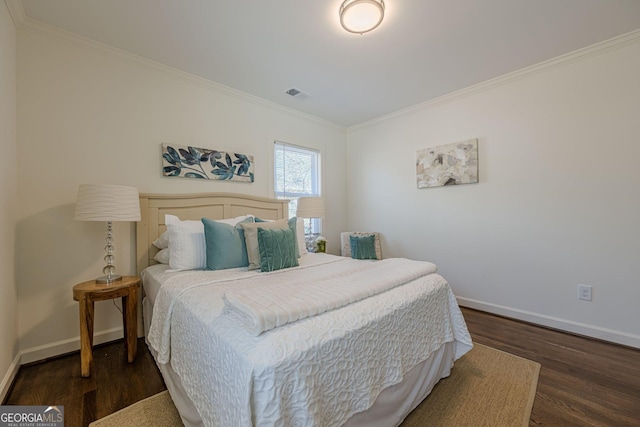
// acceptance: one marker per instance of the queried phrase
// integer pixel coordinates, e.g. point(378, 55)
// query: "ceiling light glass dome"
point(361, 16)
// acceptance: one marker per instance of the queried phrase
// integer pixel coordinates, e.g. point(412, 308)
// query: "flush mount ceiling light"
point(361, 16)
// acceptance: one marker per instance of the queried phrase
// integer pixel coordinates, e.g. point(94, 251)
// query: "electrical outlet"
point(584, 292)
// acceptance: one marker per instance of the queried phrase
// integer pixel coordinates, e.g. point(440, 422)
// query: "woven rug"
point(487, 387)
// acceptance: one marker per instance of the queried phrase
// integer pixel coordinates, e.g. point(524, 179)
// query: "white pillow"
point(187, 247)
point(162, 256)
point(162, 242)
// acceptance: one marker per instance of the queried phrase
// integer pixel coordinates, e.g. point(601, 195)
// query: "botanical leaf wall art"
point(204, 163)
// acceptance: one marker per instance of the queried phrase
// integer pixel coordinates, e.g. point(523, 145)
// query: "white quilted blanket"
point(263, 307)
point(317, 371)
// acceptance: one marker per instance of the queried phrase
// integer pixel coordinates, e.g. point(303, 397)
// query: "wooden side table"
point(86, 294)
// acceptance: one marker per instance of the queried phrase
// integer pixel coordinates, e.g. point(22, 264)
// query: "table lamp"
point(310, 207)
point(103, 202)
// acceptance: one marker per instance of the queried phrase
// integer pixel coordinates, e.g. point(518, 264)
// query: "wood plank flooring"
point(583, 382)
point(113, 385)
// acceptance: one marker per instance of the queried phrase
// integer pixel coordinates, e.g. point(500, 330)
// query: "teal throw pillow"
point(363, 247)
point(293, 221)
point(225, 245)
point(277, 249)
point(293, 225)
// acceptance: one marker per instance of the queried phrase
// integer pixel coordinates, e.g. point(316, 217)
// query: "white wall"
point(557, 203)
point(8, 186)
point(89, 114)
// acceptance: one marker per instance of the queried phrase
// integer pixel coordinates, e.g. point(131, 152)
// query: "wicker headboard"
point(153, 208)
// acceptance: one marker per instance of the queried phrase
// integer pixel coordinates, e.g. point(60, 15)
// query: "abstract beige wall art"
point(448, 164)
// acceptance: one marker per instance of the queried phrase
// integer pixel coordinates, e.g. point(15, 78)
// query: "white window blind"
point(296, 174)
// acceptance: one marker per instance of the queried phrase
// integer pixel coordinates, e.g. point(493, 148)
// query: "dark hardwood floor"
point(583, 382)
point(113, 385)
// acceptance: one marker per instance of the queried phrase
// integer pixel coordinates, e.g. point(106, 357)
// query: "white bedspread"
point(313, 372)
point(261, 307)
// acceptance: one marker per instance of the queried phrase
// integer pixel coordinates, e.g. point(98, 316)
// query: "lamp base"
point(108, 280)
point(310, 241)
point(109, 270)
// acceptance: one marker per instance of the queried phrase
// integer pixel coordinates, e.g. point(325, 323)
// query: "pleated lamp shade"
point(310, 207)
point(104, 202)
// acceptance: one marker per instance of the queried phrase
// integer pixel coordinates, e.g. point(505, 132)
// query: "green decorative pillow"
point(277, 249)
point(302, 242)
point(225, 245)
point(363, 247)
point(251, 237)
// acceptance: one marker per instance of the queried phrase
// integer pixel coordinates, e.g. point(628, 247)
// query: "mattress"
point(152, 279)
point(386, 351)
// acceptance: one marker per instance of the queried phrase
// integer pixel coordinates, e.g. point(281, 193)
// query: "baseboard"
point(5, 385)
point(554, 322)
point(45, 351)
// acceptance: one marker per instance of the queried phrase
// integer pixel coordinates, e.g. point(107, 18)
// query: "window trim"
point(317, 177)
point(315, 170)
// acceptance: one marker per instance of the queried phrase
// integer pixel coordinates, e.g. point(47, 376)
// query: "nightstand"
point(86, 294)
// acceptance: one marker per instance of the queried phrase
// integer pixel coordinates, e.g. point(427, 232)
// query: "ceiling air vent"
point(298, 94)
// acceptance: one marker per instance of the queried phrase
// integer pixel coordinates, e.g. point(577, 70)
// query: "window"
point(296, 174)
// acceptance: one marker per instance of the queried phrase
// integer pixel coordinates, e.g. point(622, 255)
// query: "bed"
point(363, 359)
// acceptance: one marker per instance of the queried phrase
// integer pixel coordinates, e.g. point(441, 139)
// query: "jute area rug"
point(487, 387)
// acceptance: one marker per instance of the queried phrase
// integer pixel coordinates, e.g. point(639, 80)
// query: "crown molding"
point(33, 25)
point(16, 10)
point(596, 49)
point(23, 22)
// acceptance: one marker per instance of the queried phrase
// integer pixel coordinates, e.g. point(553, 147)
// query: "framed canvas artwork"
point(204, 163)
point(449, 164)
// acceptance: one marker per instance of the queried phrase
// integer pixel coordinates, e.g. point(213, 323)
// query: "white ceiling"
point(423, 49)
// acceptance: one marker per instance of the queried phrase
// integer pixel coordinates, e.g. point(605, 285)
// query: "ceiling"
point(423, 49)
